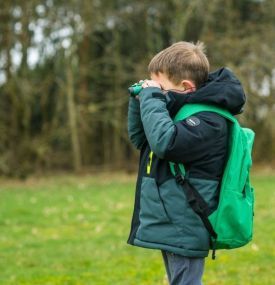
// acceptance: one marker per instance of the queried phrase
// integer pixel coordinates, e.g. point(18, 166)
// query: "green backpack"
point(231, 224)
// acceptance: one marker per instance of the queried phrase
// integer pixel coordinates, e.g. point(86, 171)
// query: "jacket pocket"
point(152, 209)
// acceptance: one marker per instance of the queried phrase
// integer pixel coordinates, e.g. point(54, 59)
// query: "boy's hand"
point(150, 83)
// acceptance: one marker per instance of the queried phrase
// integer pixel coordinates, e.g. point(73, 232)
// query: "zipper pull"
point(149, 164)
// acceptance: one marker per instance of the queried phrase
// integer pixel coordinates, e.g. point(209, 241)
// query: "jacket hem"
point(173, 249)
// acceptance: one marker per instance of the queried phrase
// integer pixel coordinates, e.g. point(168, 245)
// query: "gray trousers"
point(183, 270)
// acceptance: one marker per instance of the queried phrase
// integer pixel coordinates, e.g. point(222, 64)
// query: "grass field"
point(72, 231)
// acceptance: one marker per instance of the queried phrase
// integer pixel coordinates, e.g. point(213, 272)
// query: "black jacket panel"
point(201, 148)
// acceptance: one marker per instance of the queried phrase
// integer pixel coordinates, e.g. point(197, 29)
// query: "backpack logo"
point(193, 121)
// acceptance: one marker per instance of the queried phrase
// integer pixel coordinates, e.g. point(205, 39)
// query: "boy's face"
point(166, 84)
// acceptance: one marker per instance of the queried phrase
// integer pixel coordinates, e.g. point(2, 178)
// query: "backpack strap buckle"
point(180, 179)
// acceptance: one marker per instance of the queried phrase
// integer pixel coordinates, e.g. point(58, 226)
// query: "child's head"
point(182, 61)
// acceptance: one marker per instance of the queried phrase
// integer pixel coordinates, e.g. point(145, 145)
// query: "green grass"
point(72, 231)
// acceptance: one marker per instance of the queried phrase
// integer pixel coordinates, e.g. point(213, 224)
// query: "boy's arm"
point(158, 126)
point(184, 141)
point(135, 128)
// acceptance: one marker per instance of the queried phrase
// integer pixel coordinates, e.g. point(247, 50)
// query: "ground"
point(72, 230)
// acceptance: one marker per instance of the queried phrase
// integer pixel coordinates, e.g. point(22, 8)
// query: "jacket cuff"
point(151, 92)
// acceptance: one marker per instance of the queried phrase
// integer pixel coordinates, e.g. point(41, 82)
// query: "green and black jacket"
point(162, 218)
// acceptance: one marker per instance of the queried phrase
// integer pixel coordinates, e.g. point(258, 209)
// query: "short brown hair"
point(182, 60)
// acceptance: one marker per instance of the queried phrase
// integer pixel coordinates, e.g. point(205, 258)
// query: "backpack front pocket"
point(234, 225)
point(152, 208)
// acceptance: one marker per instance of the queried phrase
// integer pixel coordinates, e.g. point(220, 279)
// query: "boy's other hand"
point(150, 83)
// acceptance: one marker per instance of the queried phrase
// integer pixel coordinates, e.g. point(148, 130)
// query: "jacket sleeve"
point(135, 128)
point(157, 123)
point(180, 142)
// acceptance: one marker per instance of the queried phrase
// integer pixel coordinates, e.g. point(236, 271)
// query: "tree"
point(65, 67)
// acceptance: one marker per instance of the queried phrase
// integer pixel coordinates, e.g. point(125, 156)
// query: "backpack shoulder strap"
point(190, 109)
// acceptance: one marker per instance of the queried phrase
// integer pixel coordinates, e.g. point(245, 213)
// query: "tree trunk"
point(72, 114)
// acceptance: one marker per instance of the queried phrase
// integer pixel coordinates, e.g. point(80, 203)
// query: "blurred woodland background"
point(65, 67)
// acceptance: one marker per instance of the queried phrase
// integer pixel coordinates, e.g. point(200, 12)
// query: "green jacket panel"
point(166, 218)
point(135, 128)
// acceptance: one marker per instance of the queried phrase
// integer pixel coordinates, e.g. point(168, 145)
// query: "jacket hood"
point(222, 88)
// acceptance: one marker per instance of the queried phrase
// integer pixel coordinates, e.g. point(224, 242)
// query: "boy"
point(162, 218)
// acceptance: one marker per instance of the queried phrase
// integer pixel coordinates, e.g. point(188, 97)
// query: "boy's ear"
point(188, 85)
